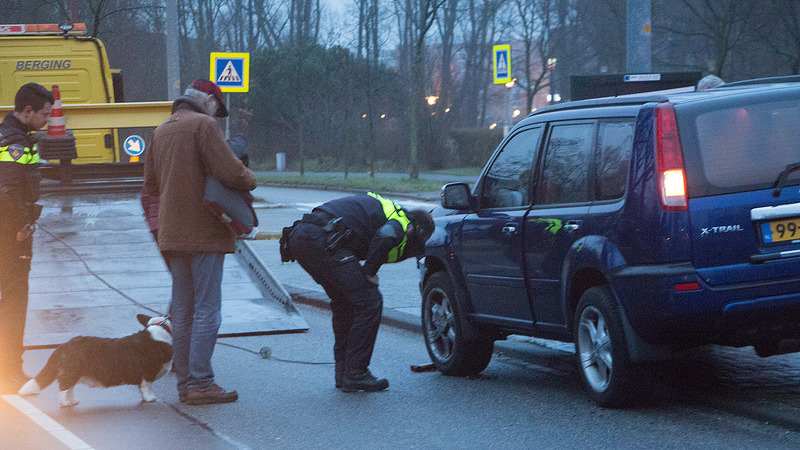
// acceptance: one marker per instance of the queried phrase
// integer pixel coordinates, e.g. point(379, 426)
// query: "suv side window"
point(565, 175)
point(507, 184)
point(612, 158)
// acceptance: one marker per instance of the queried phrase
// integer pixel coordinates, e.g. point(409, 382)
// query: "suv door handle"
point(509, 229)
point(573, 226)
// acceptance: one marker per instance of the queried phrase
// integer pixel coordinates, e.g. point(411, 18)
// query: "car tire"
point(441, 327)
point(601, 351)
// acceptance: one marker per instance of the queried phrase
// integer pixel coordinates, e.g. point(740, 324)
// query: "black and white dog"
point(138, 359)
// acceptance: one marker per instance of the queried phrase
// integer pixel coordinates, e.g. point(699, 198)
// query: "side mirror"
point(456, 196)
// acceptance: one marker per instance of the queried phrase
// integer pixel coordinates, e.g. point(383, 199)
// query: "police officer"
point(329, 243)
point(19, 192)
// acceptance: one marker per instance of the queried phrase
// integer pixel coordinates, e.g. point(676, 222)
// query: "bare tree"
point(424, 16)
point(782, 37)
point(304, 21)
point(544, 26)
point(711, 27)
point(446, 24)
point(478, 32)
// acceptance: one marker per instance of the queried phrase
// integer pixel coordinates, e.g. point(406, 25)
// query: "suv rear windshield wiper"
point(781, 181)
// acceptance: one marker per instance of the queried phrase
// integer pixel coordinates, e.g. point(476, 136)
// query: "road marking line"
point(47, 423)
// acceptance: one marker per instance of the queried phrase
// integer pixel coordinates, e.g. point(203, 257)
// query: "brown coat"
point(186, 147)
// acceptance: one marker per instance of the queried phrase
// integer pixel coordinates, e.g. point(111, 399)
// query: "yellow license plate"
point(781, 230)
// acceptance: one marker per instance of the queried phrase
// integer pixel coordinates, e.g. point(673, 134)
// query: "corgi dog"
point(138, 359)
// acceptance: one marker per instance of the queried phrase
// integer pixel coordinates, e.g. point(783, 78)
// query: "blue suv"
point(632, 226)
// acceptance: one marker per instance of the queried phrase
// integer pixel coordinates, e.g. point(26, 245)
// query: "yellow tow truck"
point(91, 93)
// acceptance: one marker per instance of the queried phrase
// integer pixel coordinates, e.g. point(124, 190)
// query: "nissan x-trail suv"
point(631, 226)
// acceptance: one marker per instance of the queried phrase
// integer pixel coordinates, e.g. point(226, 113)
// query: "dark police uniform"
point(19, 191)
point(372, 229)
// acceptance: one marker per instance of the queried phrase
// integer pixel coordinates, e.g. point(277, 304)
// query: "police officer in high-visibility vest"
point(19, 192)
point(330, 243)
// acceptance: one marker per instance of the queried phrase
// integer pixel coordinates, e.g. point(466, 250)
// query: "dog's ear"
point(143, 319)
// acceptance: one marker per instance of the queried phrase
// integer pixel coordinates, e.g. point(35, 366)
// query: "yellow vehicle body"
point(79, 66)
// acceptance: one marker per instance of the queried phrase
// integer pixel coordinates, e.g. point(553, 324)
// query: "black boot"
point(364, 382)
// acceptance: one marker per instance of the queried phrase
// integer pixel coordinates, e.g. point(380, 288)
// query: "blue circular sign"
point(134, 145)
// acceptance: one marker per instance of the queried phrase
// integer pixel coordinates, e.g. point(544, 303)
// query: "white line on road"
point(47, 423)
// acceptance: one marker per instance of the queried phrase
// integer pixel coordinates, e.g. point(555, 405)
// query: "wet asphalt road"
point(529, 396)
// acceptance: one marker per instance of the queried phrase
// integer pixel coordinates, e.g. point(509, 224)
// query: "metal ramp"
point(95, 266)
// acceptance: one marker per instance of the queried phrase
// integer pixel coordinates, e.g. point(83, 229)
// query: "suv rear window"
point(741, 147)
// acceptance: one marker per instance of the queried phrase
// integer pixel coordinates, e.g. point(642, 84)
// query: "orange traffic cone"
point(58, 144)
point(57, 125)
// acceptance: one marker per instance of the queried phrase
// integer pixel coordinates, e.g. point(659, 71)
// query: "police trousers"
point(356, 303)
point(15, 260)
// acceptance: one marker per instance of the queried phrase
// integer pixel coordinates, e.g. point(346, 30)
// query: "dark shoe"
point(364, 382)
point(182, 397)
point(210, 395)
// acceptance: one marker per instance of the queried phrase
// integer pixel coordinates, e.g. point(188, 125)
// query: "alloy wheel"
point(440, 327)
point(594, 349)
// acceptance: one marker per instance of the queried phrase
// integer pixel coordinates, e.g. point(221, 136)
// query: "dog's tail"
point(45, 377)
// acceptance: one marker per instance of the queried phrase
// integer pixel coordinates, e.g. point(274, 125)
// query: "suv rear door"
point(557, 218)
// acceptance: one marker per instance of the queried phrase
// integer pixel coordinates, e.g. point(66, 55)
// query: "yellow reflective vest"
point(394, 211)
point(19, 153)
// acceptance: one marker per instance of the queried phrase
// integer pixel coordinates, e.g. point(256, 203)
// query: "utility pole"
point(638, 50)
point(173, 52)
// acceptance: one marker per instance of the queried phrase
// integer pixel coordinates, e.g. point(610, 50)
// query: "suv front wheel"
point(441, 325)
point(601, 352)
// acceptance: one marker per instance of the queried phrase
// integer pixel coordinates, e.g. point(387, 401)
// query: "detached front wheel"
point(441, 324)
point(601, 351)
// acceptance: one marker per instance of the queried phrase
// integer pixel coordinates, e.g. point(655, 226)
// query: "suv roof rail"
point(633, 99)
point(786, 79)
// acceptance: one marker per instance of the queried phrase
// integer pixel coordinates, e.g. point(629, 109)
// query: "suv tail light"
point(669, 154)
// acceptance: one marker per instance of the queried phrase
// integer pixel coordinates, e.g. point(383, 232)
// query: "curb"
point(389, 317)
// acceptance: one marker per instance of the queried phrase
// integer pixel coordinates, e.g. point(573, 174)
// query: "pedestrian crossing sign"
point(501, 63)
point(231, 71)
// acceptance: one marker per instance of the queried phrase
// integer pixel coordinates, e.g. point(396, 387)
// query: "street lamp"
point(431, 99)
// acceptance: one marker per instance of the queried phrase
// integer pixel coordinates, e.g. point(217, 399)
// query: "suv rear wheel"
point(601, 352)
point(441, 324)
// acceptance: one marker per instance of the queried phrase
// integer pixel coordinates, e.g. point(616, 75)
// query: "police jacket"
point(378, 228)
point(19, 175)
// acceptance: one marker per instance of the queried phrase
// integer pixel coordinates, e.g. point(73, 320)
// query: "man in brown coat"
point(186, 148)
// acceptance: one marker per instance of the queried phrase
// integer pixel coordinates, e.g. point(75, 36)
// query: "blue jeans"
point(196, 316)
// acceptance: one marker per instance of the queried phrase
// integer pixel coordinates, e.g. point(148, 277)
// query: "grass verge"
point(372, 184)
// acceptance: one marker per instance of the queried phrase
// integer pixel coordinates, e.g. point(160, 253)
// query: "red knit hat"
point(211, 88)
